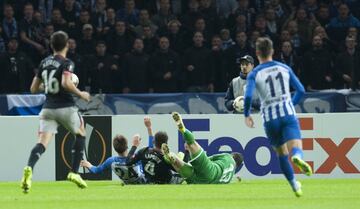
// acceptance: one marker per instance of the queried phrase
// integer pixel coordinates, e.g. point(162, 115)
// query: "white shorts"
point(68, 117)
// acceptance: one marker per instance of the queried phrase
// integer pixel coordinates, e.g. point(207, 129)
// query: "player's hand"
point(147, 122)
point(85, 96)
point(136, 140)
point(249, 122)
point(85, 164)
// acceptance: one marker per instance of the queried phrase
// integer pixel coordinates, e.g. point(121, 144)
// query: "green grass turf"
point(264, 194)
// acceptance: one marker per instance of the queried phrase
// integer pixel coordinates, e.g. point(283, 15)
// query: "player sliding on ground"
point(272, 81)
point(59, 108)
point(146, 166)
point(201, 169)
point(128, 174)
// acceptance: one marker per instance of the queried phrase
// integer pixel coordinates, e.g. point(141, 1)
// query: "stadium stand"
point(318, 38)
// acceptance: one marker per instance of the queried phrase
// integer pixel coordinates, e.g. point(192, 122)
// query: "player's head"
point(264, 48)
point(120, 144)
point(239, 159)
point(59, 41)
point(160, 138)
point(246, 64)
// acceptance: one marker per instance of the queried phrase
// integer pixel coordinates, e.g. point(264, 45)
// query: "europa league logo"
point(95, 147)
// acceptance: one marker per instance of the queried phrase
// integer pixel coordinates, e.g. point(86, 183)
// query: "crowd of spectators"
point(140, 46)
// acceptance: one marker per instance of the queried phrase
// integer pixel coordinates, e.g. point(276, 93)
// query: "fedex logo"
point(337, 153)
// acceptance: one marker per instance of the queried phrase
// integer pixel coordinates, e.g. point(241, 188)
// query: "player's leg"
point(287, 169)
point(78, 149)
point(274, 132)
point(294, 145)
point(72, 121)
point(204, 168)
point(47, 129)
point(192, 146)
point(35, 155)
point(184, 169)
point(39, 148)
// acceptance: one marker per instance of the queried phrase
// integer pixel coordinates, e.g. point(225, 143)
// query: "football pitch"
point(264, 194)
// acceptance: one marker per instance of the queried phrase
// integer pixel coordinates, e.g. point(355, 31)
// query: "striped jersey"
point(272, 81)
point(129, 174)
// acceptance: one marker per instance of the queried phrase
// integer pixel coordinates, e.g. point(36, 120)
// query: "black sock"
point(77, 152)
point(35, 154)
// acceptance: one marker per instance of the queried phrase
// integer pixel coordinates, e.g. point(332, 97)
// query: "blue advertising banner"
point(191, 103)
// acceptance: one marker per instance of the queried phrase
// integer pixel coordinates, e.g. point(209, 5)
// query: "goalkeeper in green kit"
point(201, 169)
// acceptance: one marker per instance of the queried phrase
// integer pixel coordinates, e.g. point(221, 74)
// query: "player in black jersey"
point(156, 170)
point(54, 78)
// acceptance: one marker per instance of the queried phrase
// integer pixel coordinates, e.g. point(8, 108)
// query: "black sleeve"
point(39, 71)
point(131, 154)
point(132, 151)
point(229, 98)
point(135, 158)
point(68, 66)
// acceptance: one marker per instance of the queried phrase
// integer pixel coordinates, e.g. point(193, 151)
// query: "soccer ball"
point(74, 79)
point(238, 104)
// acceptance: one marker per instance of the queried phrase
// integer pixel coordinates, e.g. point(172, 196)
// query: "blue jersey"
point(129, 174)
point(272, 80)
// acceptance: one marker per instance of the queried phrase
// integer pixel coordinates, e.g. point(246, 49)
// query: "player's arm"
point(131, 157)
point(100, 168)
point(299, 88)
point(36, 86)
point(248, 93)
point(131, 153)
point(136, 158)
point(69, 86)
point(248, 98)
point(147, 123)
point(229, 98)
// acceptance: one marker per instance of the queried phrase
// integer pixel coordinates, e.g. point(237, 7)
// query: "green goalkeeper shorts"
point(205, 171)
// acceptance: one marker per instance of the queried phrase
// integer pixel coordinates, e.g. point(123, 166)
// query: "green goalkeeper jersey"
point(216, 169)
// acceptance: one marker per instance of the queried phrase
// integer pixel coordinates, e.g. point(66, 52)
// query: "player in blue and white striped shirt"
point(272, 80)
point(128, 174)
